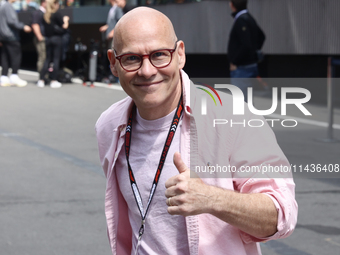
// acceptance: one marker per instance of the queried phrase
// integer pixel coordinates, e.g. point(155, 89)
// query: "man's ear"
point(181, 54)
point(112, 59)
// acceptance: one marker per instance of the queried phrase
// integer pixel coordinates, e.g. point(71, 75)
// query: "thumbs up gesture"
point(186, 196)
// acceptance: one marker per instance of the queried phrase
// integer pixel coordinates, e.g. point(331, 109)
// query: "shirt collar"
point(238, 13)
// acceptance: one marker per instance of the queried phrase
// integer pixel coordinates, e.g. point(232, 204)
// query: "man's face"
point(149, 86)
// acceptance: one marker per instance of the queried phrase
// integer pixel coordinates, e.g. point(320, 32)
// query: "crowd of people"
point(52, 28)
point(51, 34)
point(49, 27)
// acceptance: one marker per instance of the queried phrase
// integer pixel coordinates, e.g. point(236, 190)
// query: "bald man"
point(152, 205)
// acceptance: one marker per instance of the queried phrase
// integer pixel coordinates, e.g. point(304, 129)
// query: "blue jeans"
point(240, 77)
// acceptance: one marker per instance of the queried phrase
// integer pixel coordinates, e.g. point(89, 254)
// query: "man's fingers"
point(170, 182)
point(181, 167)
point(171, 201)
point(170, 192)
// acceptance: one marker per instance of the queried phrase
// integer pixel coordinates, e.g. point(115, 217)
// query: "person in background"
point(39, 39)
point(245, 42)
point(114, 15)
point(11, 47)
point(31, 5)
point(54, 26)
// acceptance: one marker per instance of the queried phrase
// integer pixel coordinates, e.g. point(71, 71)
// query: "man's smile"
point(146, 84)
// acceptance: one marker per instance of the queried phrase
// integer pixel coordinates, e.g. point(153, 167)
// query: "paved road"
point(52, 187)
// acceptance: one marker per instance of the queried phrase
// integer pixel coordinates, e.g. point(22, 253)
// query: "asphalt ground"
point(52, 187)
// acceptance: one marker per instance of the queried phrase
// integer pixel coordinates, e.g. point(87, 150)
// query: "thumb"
point(181, 167)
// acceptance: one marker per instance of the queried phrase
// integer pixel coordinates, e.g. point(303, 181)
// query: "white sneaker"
point(4, 81)
point(55, 85)
point(41, 84)
point(16, 81)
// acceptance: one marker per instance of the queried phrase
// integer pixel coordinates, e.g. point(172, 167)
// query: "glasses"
point(131, 62)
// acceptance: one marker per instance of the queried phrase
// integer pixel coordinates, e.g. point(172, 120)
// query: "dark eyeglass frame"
point(119, 57)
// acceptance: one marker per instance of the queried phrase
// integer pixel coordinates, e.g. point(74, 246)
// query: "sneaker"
point(55, 85)
point(41, 84)
point(4, 81)
point(16, 81)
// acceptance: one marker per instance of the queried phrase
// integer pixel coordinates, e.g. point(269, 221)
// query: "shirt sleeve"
point(243, 36)
point(35, 18)
point(258, 147)
point(261, 38)
point(281, 192)
point(59, 19)
point(12, 18)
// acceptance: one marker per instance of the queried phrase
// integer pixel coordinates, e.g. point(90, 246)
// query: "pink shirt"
point(237, 146)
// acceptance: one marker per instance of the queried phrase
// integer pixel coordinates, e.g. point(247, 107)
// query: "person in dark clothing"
point(244, 47)
point(54, 26)
point(10, 40)
point(38, 29)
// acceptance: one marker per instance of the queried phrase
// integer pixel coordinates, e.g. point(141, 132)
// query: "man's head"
point(238, 5)
point(143, 31)
point(43, 3)
point(121, 3)
point(112, 2)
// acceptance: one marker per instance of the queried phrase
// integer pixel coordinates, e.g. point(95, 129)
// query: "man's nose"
point(147, 69)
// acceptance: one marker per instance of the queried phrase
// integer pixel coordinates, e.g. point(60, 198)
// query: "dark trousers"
point(241, 77)
point(53, 52)
point(10, 57)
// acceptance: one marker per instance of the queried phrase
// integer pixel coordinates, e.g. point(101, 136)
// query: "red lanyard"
point(166, 147)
